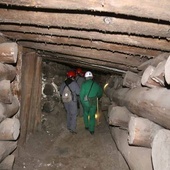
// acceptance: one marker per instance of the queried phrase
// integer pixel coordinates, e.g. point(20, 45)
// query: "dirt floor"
point(54, 147)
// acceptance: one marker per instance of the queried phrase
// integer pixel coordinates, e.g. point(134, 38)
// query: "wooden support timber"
point(131, 80)
point(31, 95)
point(9, 129)
point(5, 91)
point(7, 163)
point(167, 70)
point(7, 72)
point(86, 22)
point(119, 116)
point(152, 104)
point(8, 110)
point(8, 52)
point(157, 76)
point(142, 131)
point(142, 42)
point(146, 79)
point(6, 147)
point(138, 158)
point(159, 73)
point(161, 150)
point(158, 10)
point(154, 62)
point(93, 44)
point(88, 53)
point(70, 59)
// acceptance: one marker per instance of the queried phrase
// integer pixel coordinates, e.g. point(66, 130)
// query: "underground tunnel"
point(124, 44)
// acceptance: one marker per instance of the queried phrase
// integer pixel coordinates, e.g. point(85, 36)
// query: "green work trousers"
point(89, 117)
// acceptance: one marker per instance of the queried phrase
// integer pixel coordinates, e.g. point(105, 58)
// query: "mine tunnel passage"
point(54, 147)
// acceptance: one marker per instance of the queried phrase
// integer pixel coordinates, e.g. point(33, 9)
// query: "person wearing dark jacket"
point(89, 92)
point(79, 79)
point(71, 106)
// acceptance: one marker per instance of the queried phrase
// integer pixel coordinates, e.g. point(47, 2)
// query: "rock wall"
point(53, 74)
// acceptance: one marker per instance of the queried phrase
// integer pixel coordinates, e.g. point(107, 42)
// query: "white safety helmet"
point(88, 74)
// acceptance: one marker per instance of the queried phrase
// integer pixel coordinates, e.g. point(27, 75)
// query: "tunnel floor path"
point(55, 148)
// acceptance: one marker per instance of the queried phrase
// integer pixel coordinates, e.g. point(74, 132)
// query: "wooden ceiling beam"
point(3, 39)
point(84, 65)
point(82, 43)
point(77, 61)
point(102, 64)
point(158, 10)
point(84, 22)
point(149, 43)
point(117, 58)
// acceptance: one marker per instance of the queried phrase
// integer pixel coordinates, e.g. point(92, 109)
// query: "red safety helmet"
point(71, 74)
point(79, 71)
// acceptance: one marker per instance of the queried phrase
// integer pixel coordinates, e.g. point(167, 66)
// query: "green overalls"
point(89, 109)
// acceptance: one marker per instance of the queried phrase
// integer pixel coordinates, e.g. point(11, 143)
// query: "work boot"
point(73, 132)
point(92, 132)
point(86, 128)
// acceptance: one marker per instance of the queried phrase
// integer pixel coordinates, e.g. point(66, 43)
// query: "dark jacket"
point(79, 80)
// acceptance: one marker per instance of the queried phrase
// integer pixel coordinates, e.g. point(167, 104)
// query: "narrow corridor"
point(54, 147)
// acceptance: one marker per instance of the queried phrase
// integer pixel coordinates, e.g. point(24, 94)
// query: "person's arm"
point(82, 93)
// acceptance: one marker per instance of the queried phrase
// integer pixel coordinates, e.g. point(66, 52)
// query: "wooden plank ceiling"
point(98, 34)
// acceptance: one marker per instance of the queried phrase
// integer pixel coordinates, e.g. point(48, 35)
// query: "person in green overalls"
point(89, 92)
